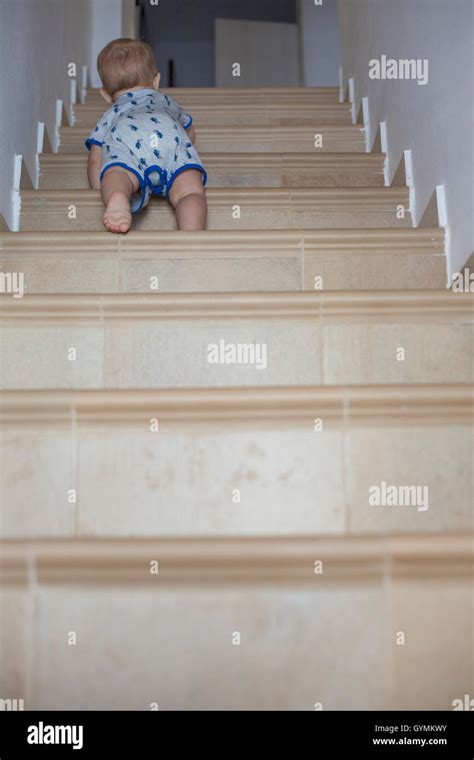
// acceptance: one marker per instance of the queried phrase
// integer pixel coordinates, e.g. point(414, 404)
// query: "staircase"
point(182, 534)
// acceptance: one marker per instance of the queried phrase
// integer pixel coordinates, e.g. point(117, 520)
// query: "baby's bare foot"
point(118, 217)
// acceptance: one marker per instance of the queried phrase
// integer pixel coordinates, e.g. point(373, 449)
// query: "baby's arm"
point(94, 166)
point(185, 119)
point(192, 134)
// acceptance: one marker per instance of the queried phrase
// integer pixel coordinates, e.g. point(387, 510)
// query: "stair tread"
point(240, 114)
point(319, 195)
point(261, 208)
point(266, 138)
point(261, 158)
point(225, 261)
point(131, 339)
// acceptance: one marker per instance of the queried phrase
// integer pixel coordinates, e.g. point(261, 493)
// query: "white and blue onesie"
point(145, 132)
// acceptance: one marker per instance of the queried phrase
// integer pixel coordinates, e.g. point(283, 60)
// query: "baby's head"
point(125, 64)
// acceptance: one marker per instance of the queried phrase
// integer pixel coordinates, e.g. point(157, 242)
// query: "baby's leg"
point(117, 187)
point(188, 198)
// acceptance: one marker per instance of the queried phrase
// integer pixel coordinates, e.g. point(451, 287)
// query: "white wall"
point(435, 121)
point(38, 39)
point(268, 53)
point(107, 19)
point(320, 42)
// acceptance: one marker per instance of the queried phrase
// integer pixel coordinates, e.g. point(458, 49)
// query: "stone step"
point(241, 114)
point(229, 209)
point(234, 462)
point(236, 340)
point(62, 171)
point(223, 261)
point(252, 609)
point(187, 96)
point(329, 138)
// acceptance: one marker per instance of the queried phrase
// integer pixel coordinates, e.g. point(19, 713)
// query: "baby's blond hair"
point(126, 63)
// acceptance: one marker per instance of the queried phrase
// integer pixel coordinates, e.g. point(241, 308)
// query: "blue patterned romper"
point(145, 132)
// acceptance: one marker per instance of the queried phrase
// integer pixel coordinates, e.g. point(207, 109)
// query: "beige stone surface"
point(340, 271)
point(117, 355)
point(202, 275)
point(359, 271)
point(261, 140)
point(289, 482)
point(16, 630)
point(320, 178)
point(329, 640)
point(334, 218)
point(63, 274)
point(367, 353)
point(37, 357)
point(37, 473)
point(439, 457)
point(435, 666)
point(175, 354)
point(244, 178)
point(172, 647)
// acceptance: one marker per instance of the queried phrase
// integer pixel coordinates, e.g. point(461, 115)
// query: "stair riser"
point(332, 143)
point(75, 178)
point(237, 119)
point(182, 640)
point(160, 216)
point(250, 97)
point(334, 140)
point(282, 352)
point(186, 482)
point(122, 273)
point(241, 116)
point(233, 95)
point(284, 106)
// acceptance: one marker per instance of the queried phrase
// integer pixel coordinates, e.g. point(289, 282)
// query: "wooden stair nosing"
point(335, 306)
point(221, 242)
point(275, 559)
point(248, 408)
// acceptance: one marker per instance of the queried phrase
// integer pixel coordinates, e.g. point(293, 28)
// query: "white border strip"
point(73, 101)
point(40, 130)
point(16, 192)
point(366, 120)
point(384, 149)
point(84, 83)
point(352, 98)
point(59, 121)
point(410, 184)
point(444, 222)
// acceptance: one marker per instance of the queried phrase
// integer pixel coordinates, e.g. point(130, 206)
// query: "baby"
point(144, 144)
